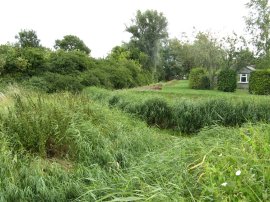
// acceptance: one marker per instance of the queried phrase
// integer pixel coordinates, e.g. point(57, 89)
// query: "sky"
point(101, 23)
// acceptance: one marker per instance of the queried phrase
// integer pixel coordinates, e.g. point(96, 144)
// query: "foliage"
point(172, 60)
point(66, 147)
point(71, 43)
point(90, 79)
point(186, 116)
point(147, 29)
point(259, 82)
point(263, 62)
point(71, 62)
point(28, 38)
point(258, 25)
point(198, 79)
point(238, 53)
point(156, 112)
point(226, 80)
point(208, 54)
point(37, 60)
point(58, 82)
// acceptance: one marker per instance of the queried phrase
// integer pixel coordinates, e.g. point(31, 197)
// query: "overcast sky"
point(101, 23)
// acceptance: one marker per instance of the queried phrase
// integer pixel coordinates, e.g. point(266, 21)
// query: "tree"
point(148, 29)
point(238, 54)
point(208, 53)
point(258, 25)
point(71, 62)
point(71, 43)
point(28, 38)
point(172, 59)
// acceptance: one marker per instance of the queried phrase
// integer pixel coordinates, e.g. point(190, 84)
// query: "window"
point(243, 78)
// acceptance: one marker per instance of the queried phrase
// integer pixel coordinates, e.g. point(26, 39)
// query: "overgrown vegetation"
point(63, 147)
point(203, 145)
point(259, 82)
point(198, 79)
point(226, 80)
point(185, 115)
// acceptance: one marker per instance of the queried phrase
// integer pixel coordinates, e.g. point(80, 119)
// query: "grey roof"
point(251, 68)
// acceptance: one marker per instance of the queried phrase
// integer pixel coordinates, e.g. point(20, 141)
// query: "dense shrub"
point(57, 82)
point(37, 83)
point(37, 60)
point(259, 82)
point(21, 64)
point(90, 79)
point(198, 79)
point(227, 81)
point(72, 62)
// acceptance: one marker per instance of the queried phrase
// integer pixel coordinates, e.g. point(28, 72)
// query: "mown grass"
point(179, 89)
point(66, 147)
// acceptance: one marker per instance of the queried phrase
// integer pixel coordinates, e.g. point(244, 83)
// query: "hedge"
point(227, 81)
point(259, 82)
point(198, 79)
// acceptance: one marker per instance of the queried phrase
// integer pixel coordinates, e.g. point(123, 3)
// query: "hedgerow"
point(198, 79)
point(227, 81)
point(259, 82)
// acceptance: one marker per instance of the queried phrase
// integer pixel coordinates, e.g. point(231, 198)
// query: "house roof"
point(251, 68)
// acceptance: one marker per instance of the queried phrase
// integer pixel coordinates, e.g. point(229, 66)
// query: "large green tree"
point(238, 54)
point(172, 60)
point(28, 38)
point(71, 43)
point(208, 53)
point(148, 29)
point(258, 25)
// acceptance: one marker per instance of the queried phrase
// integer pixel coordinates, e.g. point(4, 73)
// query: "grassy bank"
point(67, 147)
point(185, 114)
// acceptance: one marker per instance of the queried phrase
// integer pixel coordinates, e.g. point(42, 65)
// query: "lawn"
point(180, 89)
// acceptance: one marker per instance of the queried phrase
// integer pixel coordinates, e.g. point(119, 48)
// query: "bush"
point(259, 82)
point(89, 79)
point(71, 62)
point(198, 79)
point(58, 82)
point(227, 81)
point(37, 83)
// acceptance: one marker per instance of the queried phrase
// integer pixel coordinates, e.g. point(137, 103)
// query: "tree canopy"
point(258, 25)
point(71, 43)
point(27, 38)
point(148, 29)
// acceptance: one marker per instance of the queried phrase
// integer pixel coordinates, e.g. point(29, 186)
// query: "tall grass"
point(187, 116)
point(65, 147)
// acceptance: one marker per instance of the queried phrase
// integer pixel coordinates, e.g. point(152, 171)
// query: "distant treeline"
point(149, 56)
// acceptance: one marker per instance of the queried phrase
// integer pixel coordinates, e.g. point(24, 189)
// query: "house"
point(243, 76)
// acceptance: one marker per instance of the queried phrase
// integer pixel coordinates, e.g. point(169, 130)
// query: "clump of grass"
point(72, 127)
point(156, 112)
